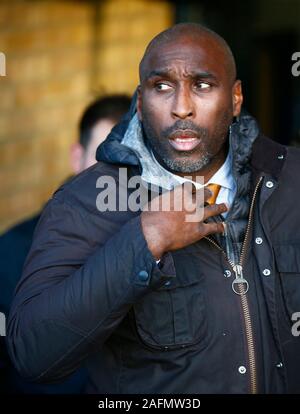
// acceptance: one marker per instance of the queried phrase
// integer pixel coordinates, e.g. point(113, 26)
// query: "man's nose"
point(183, 106)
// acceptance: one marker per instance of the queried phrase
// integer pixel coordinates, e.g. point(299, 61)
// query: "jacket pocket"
point(173, 316)
point(287, 257)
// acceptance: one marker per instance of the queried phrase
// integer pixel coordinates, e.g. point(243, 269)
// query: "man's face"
point(186, 103)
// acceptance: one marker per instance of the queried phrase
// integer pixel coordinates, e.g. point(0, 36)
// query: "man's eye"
point(162, 87)
point(202, 85)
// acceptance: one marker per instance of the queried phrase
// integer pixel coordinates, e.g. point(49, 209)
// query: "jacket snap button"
point(258, 240)
point(242, 370)
point(266, 272)
point(227, 273)
point(143, 275)
point(279, 365)
point(269, 184)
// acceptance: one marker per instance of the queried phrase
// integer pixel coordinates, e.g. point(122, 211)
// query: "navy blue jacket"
point(14, 248)
point(92, 292)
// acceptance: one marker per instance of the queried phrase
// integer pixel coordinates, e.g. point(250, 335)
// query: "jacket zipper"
point(240, 286)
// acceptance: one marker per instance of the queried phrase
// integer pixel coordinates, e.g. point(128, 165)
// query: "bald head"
point(190, 32)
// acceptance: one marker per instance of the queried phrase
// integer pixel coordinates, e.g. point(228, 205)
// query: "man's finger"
point(214, 210)
point(211, 228)
point(207, 193)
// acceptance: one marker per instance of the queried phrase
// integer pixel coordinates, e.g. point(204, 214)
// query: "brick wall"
point(121, 41)
point(59, 55)
point(48, 59)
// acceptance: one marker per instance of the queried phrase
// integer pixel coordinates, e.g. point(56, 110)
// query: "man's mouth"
point(184, 140)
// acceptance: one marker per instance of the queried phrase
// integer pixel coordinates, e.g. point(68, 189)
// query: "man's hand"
point(171, 230)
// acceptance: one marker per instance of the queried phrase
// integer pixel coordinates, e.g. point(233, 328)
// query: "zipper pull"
point(239, 279)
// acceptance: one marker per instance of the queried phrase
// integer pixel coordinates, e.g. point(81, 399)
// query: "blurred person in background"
point(95, 124)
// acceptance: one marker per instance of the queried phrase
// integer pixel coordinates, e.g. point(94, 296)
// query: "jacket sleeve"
point(75, 290)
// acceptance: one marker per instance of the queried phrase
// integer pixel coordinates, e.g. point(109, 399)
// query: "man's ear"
point(76, 157)
point(237, 97)
point(139, 102)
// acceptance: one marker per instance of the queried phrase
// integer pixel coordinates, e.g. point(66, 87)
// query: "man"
point(95, 124)
point(156, 303)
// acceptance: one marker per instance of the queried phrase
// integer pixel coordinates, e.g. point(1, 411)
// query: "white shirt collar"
point(223, 176)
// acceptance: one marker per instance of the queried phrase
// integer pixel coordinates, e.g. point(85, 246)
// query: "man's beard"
point(183, 162)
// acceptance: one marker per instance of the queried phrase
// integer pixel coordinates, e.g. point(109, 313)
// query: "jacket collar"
point(268, 157)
